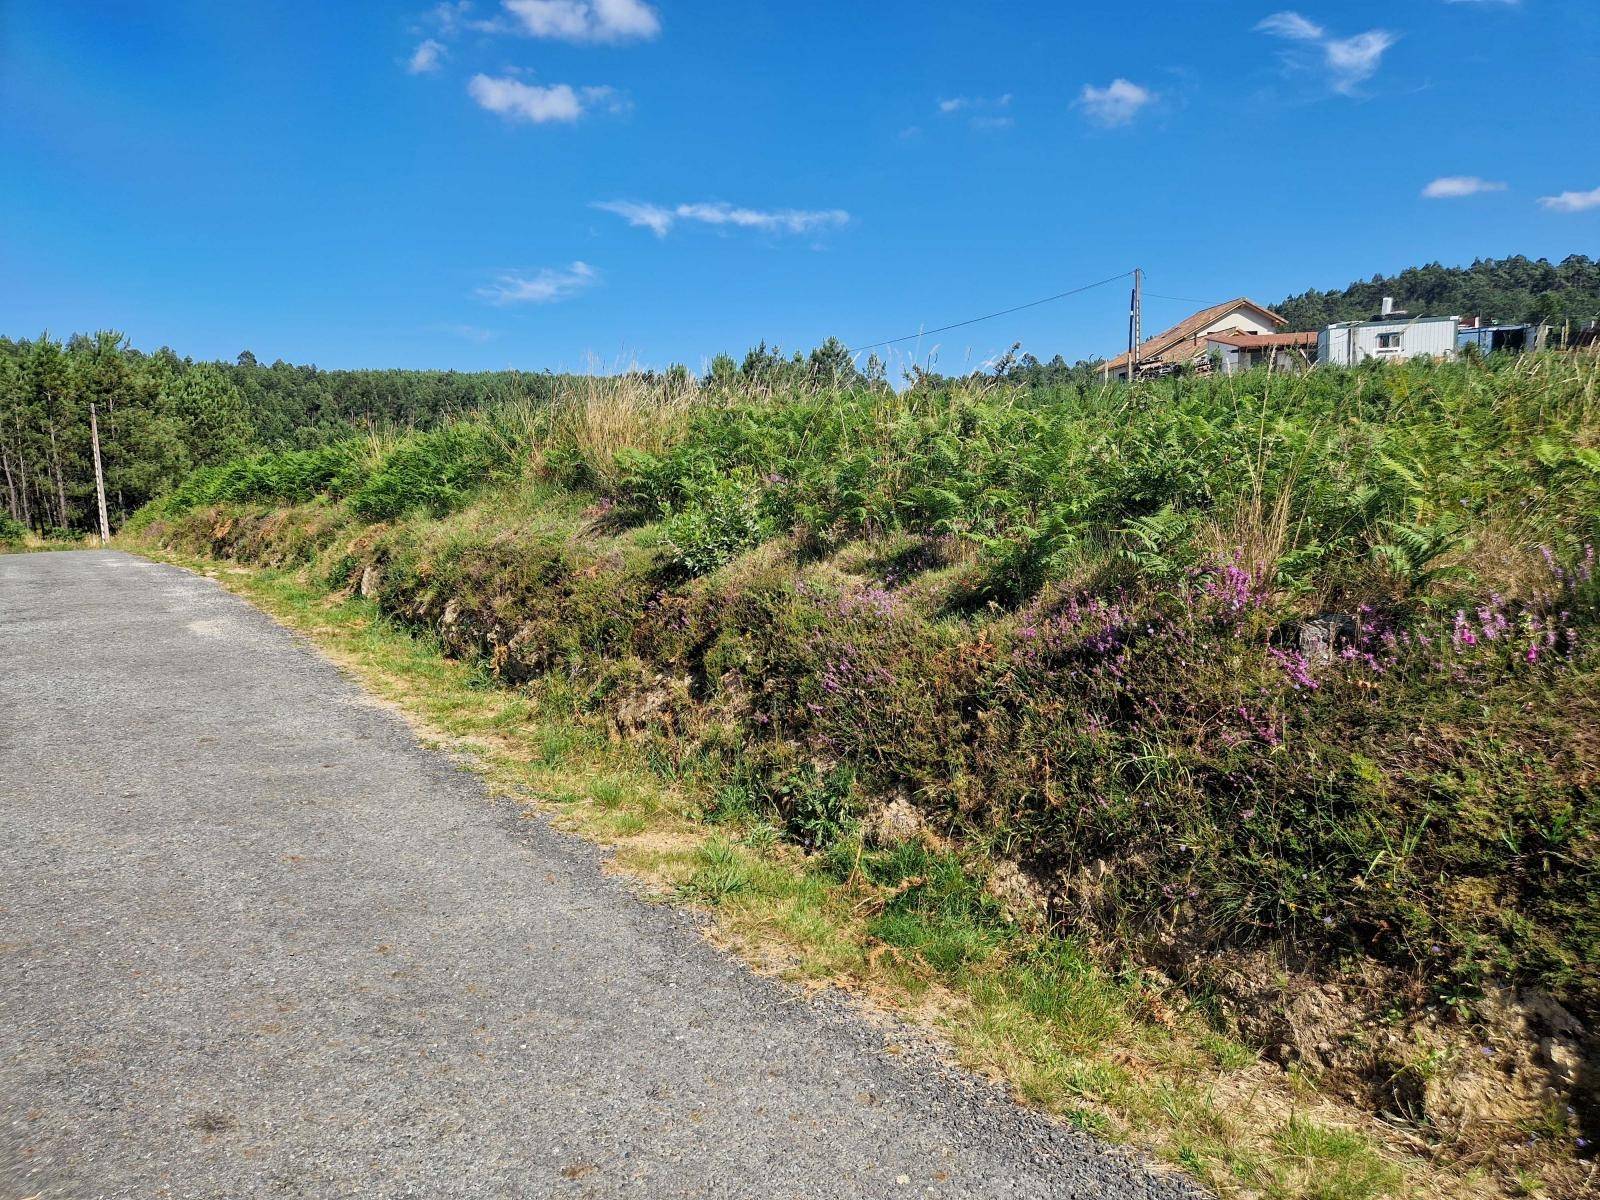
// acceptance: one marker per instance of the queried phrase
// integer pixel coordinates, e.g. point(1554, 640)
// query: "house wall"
point(1228, 355)
point(1240, 320)
point(1347, 345)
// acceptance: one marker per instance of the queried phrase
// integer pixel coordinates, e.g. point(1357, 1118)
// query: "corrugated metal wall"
point(1346, 345)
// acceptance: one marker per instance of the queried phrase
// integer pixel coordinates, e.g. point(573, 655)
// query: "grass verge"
point(904, 930)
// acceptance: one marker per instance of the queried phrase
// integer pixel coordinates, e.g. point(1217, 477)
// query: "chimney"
point(1388, 306)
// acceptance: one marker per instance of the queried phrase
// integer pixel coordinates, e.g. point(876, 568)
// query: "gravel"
point(256, 941)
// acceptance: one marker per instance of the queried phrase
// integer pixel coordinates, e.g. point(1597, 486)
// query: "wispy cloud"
point(660, 219)
point(1348, 61)
point(984, 112)
point(1452, 187)
point(957, 104)
point(1354, 60)
point(544, 286)
point(539, 104)
point(1495, 3)
point(449, 17)
point(1571, 202)
point(471, 333)
point(426, 58)
point(1291, 25)
point(584, 20)
point(1118, 103)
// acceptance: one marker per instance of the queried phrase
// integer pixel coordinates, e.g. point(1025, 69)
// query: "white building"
point(1185, 343)
point(1391, 335)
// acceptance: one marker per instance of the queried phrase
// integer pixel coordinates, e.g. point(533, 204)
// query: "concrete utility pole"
point(99, 478)
point(1135, 320)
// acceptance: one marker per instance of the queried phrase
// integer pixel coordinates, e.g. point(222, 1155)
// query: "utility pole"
point(99, 477)
point(1135, 319)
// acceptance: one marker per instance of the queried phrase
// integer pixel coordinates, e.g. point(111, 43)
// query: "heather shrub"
point(1066, 627)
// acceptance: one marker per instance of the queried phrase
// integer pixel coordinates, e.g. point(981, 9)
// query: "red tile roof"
point(1160, 346)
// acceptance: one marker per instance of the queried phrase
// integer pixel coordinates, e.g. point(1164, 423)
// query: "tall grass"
point(596, 422)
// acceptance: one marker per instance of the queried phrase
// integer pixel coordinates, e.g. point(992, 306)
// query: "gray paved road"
point(256, 941)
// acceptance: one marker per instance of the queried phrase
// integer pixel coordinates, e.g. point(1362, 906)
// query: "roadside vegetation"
point(1215, 760)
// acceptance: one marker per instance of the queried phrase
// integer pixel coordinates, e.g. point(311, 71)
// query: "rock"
point(1547, 1013)
point(1564, 1059)
point(1322, 637)
point(1024, 901)
point(370, 580)
point(895, 824)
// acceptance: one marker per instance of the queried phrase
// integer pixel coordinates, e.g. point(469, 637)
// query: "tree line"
point(1514, 290)
point(161, 416)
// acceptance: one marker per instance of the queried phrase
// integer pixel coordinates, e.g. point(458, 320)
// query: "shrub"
point(434, 472)
point(715, 522)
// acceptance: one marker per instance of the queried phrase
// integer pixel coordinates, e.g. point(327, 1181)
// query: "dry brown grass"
point(597, 416)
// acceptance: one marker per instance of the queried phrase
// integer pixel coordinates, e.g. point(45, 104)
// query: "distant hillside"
point(1505, 289)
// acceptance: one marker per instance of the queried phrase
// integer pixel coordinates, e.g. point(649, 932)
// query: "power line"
point(990, 316)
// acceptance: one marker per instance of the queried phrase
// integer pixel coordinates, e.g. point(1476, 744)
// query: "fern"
point(1412, 551)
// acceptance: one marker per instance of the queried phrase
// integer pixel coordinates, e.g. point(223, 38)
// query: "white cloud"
point(1571, 202)
point(426, 57)
point(1290, 25)
point(987, 112)
point(1355, 59)
point(957, 104)
point(1118, 103)
point(536, 104)
point(449, 16)
point(1349, 61)
point(1450, 187)
point(660, 219)
point(544, 286)
point(586, 20)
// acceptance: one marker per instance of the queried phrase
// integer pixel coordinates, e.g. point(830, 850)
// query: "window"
point(1388, 341)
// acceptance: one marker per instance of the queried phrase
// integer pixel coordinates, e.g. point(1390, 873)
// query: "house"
point(1391, 335)
point(1186, 342)
point(1233, 352)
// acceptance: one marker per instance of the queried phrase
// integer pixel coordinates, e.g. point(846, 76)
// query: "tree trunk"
point(22, 473)
point(61, 484)
point(11, 485)
point(113, 447)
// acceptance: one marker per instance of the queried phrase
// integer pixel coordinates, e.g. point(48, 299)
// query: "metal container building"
point(1393, 336)
point(1492, 339)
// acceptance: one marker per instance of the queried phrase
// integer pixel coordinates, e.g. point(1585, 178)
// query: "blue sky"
point(546, 183)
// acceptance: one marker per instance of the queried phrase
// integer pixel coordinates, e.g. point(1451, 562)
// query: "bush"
point(288, 477)
point(434, 472)
point(714, 522)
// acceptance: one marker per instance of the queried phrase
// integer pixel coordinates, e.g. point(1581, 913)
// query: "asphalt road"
point(256, 941)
